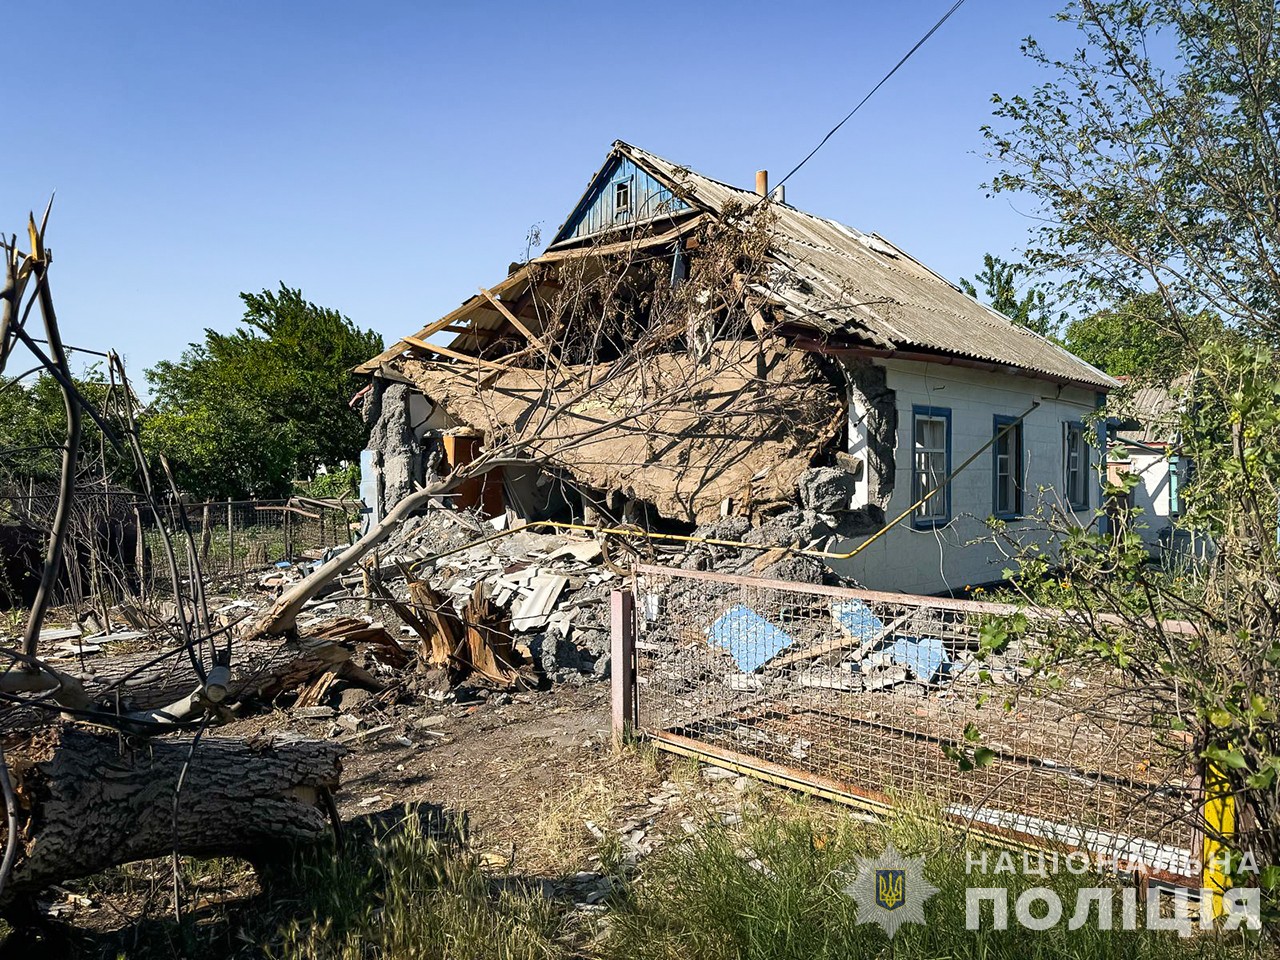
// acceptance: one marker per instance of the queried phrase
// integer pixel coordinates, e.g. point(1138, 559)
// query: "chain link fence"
point(889, 699)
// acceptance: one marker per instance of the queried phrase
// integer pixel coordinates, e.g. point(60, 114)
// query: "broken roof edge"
point(1057, 360)
point(404, 344)
point(1106, 381)
point(654, 166)
point(689, 221)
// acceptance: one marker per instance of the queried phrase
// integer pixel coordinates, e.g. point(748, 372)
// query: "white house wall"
point(947, 557)
point(1152, 495)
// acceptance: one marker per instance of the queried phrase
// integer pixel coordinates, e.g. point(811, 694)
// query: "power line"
point(883, 80)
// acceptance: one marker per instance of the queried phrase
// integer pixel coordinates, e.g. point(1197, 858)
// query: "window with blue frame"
point(1008, 468)
point(931, 456)
point(1075, 464)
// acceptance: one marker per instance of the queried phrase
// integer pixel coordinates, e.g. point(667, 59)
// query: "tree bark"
point(260, 665)
point(91, 801)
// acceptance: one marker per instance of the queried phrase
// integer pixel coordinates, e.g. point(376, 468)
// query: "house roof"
point(845, 283)
point(848, 289)
point(1150, 412)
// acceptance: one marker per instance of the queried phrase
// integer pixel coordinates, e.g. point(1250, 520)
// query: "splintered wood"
point(479, 640)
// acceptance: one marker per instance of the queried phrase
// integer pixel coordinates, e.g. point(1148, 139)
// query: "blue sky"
point(390, 158)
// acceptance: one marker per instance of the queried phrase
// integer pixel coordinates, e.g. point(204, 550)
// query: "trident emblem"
point(891, 888)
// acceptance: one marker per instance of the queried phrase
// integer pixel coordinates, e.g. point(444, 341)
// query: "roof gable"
point(621, 194)
point(844, 287)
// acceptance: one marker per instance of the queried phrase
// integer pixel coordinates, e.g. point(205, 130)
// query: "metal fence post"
point(140, 549)
point(206, 535)
point(231, 539)
point(622, 660)
point(1219, 813)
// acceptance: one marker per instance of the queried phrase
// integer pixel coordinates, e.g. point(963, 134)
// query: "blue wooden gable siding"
point(597, 212)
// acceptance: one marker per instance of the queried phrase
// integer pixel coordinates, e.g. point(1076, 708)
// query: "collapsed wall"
point(873, 433)
point(734, 442)
point(736, 451)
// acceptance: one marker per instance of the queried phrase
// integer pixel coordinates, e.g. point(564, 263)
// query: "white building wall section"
point(858, 448)
point(962, 551)
point(1153, 494)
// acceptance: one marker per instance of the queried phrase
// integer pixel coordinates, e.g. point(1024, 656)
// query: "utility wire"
point(883, 80)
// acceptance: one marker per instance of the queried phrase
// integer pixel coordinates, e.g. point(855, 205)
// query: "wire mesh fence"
point(116, 545)
point(889, 699)
point(233, 538)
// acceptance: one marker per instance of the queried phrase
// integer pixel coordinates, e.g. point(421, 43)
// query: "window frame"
point(1018, 472)
point(1083, 468)
point(621, 212)
point(920, 412)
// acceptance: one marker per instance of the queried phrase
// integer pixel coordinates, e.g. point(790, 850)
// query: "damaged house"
point(689, 356)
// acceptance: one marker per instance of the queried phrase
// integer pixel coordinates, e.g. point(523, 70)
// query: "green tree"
point(1151, 159)
point(1136, 339)
point(33, 429)
point(998, 280)
point(246, 414)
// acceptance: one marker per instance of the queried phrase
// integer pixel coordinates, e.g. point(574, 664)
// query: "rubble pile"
point(554, 586)
point(551, 589)
point(501, 604)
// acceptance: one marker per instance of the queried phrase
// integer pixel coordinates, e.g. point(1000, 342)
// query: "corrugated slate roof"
point(845, 283)
point(1153, 410)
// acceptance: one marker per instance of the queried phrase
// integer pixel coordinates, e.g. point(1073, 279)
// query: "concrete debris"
point(825, 490)
point(718, 773)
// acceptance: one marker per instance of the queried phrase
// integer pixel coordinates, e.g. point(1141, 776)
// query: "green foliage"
point(340, 484)
point(33, 429)
point(998, 280)
point(1149, 158)
point(245, 414)
point(1223, 656)
point(1137, 339)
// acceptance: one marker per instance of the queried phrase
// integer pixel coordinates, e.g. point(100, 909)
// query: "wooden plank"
point(520, 325)
point(623, 246)
point(289, 510)
point(513, 319)
point(839, 643)
point(460, 313)
point(473, 331)
point(456, 354)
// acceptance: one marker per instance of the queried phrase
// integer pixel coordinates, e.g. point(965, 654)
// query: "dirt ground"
point(532, 779)
point(531, 783)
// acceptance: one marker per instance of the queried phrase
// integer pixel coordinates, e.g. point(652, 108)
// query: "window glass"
point(931, 465)
point(1075, 462)
point(1008, 466)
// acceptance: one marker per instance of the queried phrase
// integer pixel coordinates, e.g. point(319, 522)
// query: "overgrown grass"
point(776, 891)
point(772, 891)
point(769, 890)
point(411, 895)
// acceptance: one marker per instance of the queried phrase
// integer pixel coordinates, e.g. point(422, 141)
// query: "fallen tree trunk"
point(91, 801)
point(260, 665)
